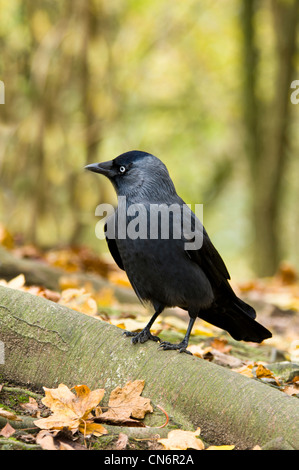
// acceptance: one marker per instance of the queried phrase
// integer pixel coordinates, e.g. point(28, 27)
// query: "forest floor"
point(274, 362)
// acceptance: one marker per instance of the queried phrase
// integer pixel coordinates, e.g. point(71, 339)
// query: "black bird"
point(161, 269)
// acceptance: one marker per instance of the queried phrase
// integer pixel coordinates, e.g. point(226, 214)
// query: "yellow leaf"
point(263, 372)
point(89, 428)
point(105, 298)
point(15, 283)
point(220, 448)
point(182, 440)
point(6, 239)
point(79, 300)
point(87, 400)
point(131, 324)
point(70, 410)
point(245, 370)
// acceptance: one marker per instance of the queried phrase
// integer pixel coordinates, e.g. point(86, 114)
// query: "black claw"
point(181, 347)
point(129, 333)
point(141, 337)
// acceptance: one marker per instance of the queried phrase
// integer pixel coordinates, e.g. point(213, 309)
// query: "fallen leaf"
point(71, 410)
point(221, 345)
point(65, 446)
point(31, 407)
point(7, 431)
point(89, 427)
point(6, 239)
point(292, 389)
point(105, 297)
point(262, 372)
point(121, 442)
point(199, 350)
point(45, 440)
point(246, 370)
point(15, 283)
point(9, 415)
point(182, 440)
point(126, 402)
point(221, 447)
point(79, 300)
point(65, 259)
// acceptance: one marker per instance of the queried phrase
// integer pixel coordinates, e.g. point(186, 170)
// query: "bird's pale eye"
point(122, 169)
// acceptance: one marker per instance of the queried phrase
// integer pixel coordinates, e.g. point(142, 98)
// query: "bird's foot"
point(141, 337)
point(181, 347)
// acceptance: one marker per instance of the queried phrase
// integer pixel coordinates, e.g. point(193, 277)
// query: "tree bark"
point(47, 344)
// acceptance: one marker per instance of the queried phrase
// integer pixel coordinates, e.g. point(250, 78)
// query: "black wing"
point(113, 249)
point(208, 258)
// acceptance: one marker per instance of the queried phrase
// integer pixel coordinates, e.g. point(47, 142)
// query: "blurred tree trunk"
point(267, 128)
point(91, 25)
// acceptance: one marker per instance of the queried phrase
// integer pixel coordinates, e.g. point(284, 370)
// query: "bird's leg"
point(145, 334)
point(182, 347)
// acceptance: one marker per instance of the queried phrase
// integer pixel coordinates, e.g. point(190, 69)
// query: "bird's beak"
point(104, 168)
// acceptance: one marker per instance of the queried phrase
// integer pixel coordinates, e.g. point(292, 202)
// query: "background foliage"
point(205, 86)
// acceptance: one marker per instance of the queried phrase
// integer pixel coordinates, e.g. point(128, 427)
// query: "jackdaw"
point(169, 271)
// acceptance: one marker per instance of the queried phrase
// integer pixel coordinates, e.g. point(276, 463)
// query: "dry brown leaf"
point(292, 389)
point(45, 440)
point(65, 446)
point(122, 441)
point(31, 407)
point(9, 415)
point(125, 403)
point(262, 372)
point(225, 447)
point(71, 410)
point(199, 350)
point(182, 440)
point(7, 431)
point(221, 345)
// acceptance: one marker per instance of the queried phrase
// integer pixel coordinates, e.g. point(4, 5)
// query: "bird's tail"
point(237, 318)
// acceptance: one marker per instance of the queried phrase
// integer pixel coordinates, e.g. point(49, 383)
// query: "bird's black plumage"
point(161, 270)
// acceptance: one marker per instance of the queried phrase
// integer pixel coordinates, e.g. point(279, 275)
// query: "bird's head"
point(136, 173)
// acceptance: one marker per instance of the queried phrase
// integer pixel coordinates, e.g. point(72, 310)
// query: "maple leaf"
point(126, 403)
point(182, 440)
point(72, 411)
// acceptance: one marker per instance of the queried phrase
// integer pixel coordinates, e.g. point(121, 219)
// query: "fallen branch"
point(47, 344)
point(40, 273)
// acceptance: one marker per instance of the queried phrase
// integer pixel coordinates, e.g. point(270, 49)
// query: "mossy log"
point(46, 344)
